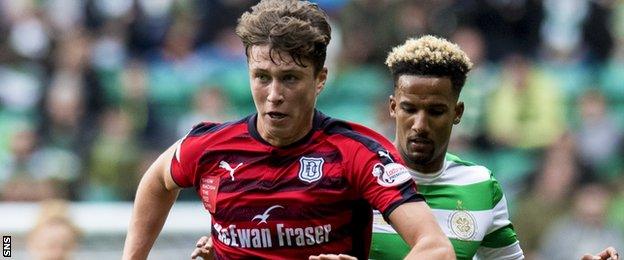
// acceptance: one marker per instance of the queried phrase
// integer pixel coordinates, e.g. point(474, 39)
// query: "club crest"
point(462, 223)
point(310, 169)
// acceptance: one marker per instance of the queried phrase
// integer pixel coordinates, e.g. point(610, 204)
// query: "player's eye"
point(408, 109)
point(262, 77)
point(437, 111)
point(290, 78)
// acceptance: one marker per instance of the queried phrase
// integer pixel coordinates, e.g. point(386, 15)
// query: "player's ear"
point(392, 106)
point(459, 112)
point(321, 78)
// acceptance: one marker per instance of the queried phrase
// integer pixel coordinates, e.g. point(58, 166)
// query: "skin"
point(282, 87)
point(285, 88)
point(273, 92)
point(425, 109)
point(277, 86)
point(155, 195)
point(608, 253)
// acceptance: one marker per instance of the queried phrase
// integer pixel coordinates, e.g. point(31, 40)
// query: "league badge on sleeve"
point(391, 174)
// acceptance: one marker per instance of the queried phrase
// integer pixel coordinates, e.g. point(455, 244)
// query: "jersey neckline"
point(429, 177)
point(253, 131)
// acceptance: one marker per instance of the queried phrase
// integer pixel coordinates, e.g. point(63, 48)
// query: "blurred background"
point(91, 91)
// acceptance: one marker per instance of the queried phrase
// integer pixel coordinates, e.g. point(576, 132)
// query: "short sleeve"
point(500, 241)
point(379, 174)
point(188, 151)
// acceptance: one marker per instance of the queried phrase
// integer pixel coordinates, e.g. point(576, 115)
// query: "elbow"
point(436, 249)
point(445, 251)
point(448, 253)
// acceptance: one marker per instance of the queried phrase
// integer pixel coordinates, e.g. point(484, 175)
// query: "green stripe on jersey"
point(498, 192)
point(477, 196)
point(388, 246)
point(465, 249)
point(391, 246)
point(466, 201)
point(500, 238)
point(455, 159)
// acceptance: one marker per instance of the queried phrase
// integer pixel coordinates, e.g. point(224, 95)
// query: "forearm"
point(416, 224)
point(151, 207)
point(431, 248)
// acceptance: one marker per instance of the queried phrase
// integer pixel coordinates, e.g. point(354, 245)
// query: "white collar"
point(428, 177)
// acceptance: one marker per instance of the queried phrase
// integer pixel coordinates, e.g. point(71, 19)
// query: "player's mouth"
point(276, 115)
point(419, 143)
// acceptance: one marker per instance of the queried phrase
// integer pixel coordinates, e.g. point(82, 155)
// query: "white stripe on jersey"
point(177, 150)
point(483, 220)
point(501, 215)
point(510, 252)
point(455, 174)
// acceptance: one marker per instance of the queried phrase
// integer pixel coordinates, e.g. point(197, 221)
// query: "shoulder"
point(358, 140)
point(353, 132)
point(461, 172)
point(208, 128)
point(207, 134)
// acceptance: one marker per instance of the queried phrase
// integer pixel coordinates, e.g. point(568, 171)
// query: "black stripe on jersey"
point(220, 257)
point(209, 127)
point(281, 185)
point(288, 212)
point(361, 221)
point(408, 194)
point(332, 126)
point(202, 128)
point(316, 122)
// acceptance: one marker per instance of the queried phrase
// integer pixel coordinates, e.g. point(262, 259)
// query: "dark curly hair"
point(299, 28)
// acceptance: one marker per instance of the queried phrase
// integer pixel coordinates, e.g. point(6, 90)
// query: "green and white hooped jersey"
point(470, 207)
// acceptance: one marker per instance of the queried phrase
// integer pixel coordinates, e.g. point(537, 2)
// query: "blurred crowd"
point(92, 90)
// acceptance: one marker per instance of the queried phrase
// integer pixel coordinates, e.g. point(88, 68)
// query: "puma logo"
point(227, 167)
point(385, 154)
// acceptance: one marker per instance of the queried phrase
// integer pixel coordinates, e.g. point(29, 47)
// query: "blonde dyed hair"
point(430, 56)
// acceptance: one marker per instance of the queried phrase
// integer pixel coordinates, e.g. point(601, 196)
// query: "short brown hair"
point(299, 28)
point(430, 56)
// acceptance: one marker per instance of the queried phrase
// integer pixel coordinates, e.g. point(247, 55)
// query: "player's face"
point(424, 109)
point(284, 94)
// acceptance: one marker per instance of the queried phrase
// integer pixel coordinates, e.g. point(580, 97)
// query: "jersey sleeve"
point(501, 241)
point(379, 175)
point(188, 151)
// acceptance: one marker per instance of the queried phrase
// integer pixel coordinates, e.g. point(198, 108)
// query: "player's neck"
point(281, 138)
point(428, 168)
point(432, 167)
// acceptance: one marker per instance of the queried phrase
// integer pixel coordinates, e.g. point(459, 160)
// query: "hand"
point(204, 249)
point(331, 257)
point(608, 253)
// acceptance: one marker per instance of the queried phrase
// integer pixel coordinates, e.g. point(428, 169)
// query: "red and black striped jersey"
point(311, 197)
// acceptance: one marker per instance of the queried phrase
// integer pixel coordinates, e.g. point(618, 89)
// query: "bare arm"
point(418, 227)
point(155, 195)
